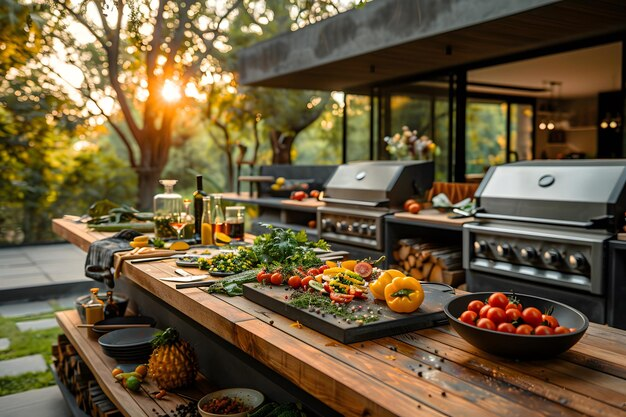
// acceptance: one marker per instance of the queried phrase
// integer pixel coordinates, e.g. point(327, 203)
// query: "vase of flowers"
point(406, 145)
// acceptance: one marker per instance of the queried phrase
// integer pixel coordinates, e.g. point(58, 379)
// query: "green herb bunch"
point(285, 249)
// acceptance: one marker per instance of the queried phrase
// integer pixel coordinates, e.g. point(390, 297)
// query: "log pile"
point(76, 376)
point(428, 261)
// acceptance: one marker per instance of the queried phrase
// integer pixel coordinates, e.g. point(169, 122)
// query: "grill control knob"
point(342, 226)
point(372, 230)
point(364, 228)
point(355, 227)
point(327, 225)
point(528, 253)
point(577, 260)
point(503, 249)
point(480, 246)
point(551, 257)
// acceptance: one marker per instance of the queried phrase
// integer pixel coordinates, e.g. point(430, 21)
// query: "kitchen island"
point(427, 372)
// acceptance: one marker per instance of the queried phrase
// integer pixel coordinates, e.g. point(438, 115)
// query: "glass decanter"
point(166, 205)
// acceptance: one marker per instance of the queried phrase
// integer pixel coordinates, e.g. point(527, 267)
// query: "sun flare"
point(171, 92)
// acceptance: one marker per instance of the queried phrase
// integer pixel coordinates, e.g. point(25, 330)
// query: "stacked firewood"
point(428, 261)
point(76, 376)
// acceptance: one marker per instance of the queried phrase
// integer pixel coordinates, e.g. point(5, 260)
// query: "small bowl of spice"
point(231, 402)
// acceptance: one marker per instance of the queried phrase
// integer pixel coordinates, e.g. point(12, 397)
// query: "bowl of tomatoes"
point(516, 325)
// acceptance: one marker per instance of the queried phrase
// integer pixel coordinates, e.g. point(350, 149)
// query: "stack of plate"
point(129, 345)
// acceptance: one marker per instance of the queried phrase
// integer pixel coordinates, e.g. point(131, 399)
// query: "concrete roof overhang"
point(394, 39)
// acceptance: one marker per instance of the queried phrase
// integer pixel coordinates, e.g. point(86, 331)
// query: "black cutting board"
point(390, 323)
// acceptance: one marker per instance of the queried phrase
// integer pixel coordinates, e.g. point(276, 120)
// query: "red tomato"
point(497, 299)
point(475, 306)
point(496, 315)
point(532, 316)
point(469, 317)
point(543, 330)
point(516, 305)
point(305, 282)
point(259, 276)
point(483, 311)
point(327, 288)
point(264, 277)
point(313, 272)
point(523, 329)
point(323, 268)
point(561, 330)
point(486, 324)
point(572, 329)
point(341, 298)
point(506, 328)
point(294, 281)
point(550, 321)
point(276, 278)
point(513, 314)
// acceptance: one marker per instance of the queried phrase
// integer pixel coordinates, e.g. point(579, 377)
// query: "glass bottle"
point(111, 309)
point(94, 308)
point(218, 220)
point(198, 209)
point(206, 232)
point(166, 205)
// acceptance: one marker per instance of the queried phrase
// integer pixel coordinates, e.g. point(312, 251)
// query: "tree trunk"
point(281, 147)
point(148, 183)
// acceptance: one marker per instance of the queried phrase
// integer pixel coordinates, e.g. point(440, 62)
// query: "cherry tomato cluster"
point(299, 279)
point(503, 314)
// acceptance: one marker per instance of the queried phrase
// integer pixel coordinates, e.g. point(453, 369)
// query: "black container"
point(514, 345)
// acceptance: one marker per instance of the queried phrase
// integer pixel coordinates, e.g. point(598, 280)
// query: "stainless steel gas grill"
point(359, 195)
point(543, 228)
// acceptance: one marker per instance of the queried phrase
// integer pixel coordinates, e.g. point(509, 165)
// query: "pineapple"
point(173, 363)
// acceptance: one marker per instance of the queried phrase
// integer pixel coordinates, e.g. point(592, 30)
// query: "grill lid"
point(583, 193)
point(379, 183)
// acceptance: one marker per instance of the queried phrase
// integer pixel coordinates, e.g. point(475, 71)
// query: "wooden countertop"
point(429, 372)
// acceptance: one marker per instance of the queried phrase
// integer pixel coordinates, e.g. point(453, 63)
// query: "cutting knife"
point(185, 277)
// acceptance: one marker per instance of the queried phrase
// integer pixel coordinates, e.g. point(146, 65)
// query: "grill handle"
point(355, 202)
point(587, 225)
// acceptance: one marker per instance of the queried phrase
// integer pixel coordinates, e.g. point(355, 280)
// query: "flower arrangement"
point(406, 145)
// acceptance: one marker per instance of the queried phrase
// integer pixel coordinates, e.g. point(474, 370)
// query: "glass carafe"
point(166, 205)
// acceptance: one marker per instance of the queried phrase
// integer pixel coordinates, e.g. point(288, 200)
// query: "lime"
point(133, 383)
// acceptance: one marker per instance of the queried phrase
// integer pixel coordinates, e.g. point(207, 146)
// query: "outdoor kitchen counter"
point(428, 372)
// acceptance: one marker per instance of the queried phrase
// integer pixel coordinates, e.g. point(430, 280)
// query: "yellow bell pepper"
point(377, 287)
point(404, 294)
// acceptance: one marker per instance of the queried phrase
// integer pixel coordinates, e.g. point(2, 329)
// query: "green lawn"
point(23, 344)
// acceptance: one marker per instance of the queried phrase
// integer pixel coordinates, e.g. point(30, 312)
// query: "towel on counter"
point(100, 255)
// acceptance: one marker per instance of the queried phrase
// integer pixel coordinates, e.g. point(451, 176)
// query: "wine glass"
point(178, 221)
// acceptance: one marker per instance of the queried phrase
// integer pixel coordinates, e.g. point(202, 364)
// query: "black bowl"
point(514, 345)
point(120, 299)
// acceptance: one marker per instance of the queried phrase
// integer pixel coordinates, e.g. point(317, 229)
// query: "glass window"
point(358, 111)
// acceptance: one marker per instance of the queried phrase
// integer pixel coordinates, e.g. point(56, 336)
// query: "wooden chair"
point(252, 179)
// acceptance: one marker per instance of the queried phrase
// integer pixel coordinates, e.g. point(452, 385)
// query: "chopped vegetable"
point(404, 294)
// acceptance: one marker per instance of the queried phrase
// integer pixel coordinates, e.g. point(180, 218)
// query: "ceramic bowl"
point(251, 398)
point(514, 345)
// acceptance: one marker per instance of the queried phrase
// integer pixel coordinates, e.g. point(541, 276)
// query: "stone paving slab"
point(44, 402)
point(5, 344)
point(12, 271)
point(32, 325)
point(25, 309)
point(17, 366)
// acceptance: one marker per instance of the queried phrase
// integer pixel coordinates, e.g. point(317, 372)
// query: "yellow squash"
point(404, 294)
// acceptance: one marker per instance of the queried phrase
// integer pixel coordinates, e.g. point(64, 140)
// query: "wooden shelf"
point(131, 404)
